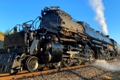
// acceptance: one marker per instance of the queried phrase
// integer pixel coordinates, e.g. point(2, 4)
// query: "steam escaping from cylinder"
point(98, 7)
point(111, 66)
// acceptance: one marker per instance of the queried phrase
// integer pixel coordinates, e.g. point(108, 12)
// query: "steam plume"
point(98, 7)
point(113, 66)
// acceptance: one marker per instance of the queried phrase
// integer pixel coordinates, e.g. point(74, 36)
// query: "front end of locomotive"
point(13, 47)
point(25, 46)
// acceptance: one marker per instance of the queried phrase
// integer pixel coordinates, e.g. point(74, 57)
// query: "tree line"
point(5, 33)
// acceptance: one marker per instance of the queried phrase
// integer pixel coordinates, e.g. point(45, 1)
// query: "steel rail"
point(26, 74)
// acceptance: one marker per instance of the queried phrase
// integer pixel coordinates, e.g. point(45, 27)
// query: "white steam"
point(98, 7)
point(112, 66)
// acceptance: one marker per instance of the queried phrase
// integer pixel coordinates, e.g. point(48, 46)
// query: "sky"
point(13, 12)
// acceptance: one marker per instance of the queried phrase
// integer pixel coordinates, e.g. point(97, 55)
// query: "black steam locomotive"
point(58, 41)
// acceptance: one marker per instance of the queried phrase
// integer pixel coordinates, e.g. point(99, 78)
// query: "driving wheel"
point(32, 64)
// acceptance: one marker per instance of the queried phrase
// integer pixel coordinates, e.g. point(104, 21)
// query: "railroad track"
point(25, 74)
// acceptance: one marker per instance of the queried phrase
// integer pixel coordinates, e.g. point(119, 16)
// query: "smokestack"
point(98, 7)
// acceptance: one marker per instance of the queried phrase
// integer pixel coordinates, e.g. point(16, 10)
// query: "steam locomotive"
point(58, 41)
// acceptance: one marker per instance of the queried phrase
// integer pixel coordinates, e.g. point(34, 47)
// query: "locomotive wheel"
point(92, 56)
point(32, 64)
point(57, 65)
point(101, 56)
point(67, 62)
point(107, 57)
point(79, 62)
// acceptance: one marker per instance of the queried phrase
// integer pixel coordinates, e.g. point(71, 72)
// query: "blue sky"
point(13, 12)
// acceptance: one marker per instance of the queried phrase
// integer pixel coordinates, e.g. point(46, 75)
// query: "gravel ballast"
point(86, 73)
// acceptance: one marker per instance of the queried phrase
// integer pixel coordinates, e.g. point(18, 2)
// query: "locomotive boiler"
point(58, 41)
